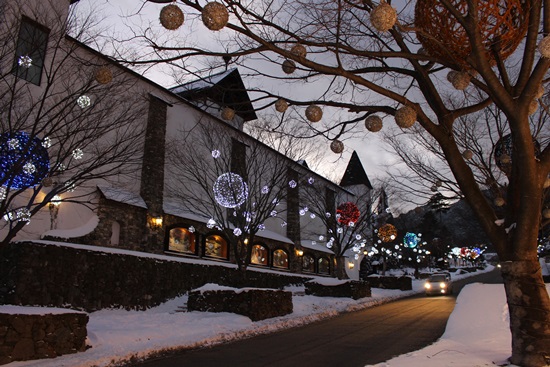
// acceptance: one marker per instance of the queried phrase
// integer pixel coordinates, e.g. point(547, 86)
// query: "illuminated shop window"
point(280, 259)
point(308, 263)
point(324, 266)
point(182, 240)
point(215, 246)
point(259, 255)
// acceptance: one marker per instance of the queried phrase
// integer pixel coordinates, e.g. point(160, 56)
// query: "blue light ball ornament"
point(411, 240)
point(17, 151)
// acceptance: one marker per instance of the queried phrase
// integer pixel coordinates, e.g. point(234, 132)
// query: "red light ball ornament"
point(348, 213)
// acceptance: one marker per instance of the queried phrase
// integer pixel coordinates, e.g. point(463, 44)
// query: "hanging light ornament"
point(24, 164)
point(503, 153)
point(228, 113)
point(544, 47)
point(499, 201)
point(103, 75)
point(405, 117)
point(289, 66)
point(373, 123)
point(230, 190)
point(546, 213)
point(337, 146)
point(443, 35)
point(411, 240)
point(215, 16)
point(171, 17)
point(281, 105)
point(468, 154)
point(383, 17)
point(314, 113)
point(348, 213)
point(459, 79)
point(298, 50)
point(387, 233)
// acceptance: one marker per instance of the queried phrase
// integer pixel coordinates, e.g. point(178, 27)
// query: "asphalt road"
point(354, 339)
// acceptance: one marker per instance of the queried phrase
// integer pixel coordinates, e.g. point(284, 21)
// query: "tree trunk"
point(341, 267)
point(529, 309)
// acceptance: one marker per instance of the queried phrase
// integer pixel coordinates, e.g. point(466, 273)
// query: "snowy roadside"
point(116, 336)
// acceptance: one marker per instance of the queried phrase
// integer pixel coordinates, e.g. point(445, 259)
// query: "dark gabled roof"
point(355, 173)
point(226, 89)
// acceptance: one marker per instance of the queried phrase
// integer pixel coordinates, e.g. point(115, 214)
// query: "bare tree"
point(66, 117)
point(236, 186)
point(365, 58)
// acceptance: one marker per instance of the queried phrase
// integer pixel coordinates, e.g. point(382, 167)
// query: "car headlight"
point(442, 285)
point(427, 285)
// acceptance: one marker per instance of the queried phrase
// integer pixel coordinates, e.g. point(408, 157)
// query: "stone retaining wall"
point(351, 289)
point(257, 304)
point(33, 336)
point(401, 283)
point(52, 275)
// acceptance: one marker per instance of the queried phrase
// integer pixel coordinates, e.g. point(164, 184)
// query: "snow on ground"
point(472, 338)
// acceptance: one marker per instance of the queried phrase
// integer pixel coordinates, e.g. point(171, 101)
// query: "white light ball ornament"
point(230, 190)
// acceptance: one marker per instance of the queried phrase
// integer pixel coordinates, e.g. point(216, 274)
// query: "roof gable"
point(226, 89)
point(355, 173)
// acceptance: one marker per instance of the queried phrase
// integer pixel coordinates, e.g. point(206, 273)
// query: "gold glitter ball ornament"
point(314, 113)
point(228, 113)
point(281, 105)
point(103, 75)
point(546, 183)
point(337, 146)
point(544, 47)
point(47, 182)
point(405, 117)
point(383, 17)
point(546, 213)
point(459, 79)
point(373, 123)
point(387, 233)
point(171, 17)
point(468, 154)
point(442, 35)
point(298, 50)
point(289, 66)
point(215, 16)
point(499, 201)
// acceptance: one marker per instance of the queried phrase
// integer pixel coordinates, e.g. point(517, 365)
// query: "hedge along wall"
point(60, 276)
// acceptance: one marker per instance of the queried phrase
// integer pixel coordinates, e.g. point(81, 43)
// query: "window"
point(238, 158)
point(181, 240)
point(259, 255)
point(216, 246)
point(308, 263)
point(280, 259)
point(31, 51)
point(324, 266)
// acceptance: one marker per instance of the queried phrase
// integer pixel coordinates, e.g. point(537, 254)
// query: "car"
point(439, 283)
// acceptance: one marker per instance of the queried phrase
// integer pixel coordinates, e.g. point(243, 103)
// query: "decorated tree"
point(67, 120)
point(401, 64)
point(346, 218)
point(235, 187)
